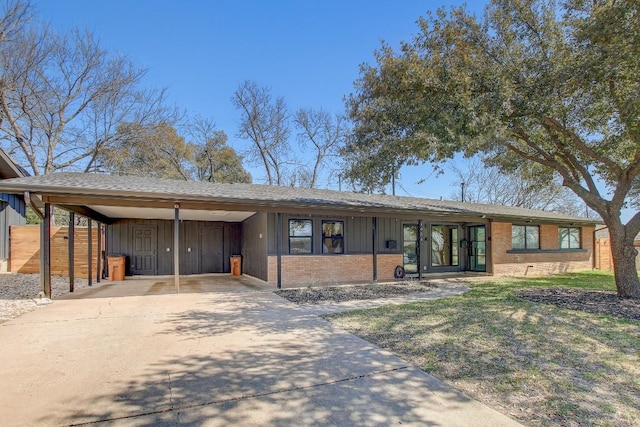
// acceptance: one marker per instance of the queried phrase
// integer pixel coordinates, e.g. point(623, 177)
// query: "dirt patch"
point(356, 292)
point(599, 302)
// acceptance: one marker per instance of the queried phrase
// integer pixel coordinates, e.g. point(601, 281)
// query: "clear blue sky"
point(308, 52)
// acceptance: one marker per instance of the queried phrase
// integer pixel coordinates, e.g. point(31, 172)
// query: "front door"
point(143, 257)
point(211, 253)
point(477, 248)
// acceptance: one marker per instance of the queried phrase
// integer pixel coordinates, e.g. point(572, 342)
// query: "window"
point(525, 237)
point(300, 236)
point(332, 237)
point(569, 237)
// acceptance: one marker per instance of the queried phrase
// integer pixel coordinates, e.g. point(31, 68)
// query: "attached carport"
point(109, 199)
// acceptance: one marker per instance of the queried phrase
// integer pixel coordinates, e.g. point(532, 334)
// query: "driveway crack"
point(170, 391)
point(239, 398)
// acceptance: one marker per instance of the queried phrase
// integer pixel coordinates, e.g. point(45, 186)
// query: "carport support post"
point(71, 242)
point(89, 252)
point(45, 252)
point(176, 247)
point(375, 248)
point(279, 250)
point(99, 257)
point(419, 249)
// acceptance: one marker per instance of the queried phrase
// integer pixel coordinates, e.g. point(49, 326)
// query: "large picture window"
point(569, 237)
point(300, 236)
point(332, 237)
point(525, 237)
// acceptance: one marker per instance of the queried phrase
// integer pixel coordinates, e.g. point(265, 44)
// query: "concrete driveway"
point(215, 359)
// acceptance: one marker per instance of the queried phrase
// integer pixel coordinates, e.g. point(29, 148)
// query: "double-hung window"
point(332, 237)
point(525, 237)
point(569, 237)
point(300, 236)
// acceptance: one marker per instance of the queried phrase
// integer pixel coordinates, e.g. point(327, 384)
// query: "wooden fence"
point(603, 259)
point(25, 250)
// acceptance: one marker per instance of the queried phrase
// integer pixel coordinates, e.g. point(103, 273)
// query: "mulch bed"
point(351, 293)
point(601, 302)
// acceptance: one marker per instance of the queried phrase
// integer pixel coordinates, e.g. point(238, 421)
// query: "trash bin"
point(116, 267)
point(236, 265)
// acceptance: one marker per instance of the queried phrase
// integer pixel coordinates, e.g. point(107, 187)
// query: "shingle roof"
point(69, 183)
point(9, 168)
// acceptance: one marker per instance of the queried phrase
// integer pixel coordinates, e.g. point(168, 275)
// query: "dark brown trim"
point(71, 243)
point(374, 226)
point(90, 252)
point(99, 257)
point(176, 247)
point(419, 248)
point(45, 251)
point(279, 250)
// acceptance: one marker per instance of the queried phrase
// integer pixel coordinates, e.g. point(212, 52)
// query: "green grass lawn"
point(538, 363)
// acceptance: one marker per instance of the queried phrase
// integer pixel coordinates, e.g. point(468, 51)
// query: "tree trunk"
point(624, 263)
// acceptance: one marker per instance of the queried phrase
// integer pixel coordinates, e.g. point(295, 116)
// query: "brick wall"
point(322, 269)
point(538, 263)
point(25, 250)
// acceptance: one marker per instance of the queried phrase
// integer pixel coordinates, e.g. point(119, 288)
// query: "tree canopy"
point(551, 83)
point(62, 96)
point(266, 122)
point(530, 187)
point(217, 162)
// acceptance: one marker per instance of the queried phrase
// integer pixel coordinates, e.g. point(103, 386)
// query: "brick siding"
point(538, 263)
point(306, 270)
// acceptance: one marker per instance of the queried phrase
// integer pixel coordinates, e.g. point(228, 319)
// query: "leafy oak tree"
point(530, 81)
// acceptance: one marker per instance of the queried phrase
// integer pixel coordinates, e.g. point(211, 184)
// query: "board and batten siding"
point(12, 212)
point(196, 251)
point(254, 246)
point(358, 233)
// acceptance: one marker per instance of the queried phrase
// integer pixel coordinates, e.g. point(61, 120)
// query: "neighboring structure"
point(293, 236)
point(12, 207)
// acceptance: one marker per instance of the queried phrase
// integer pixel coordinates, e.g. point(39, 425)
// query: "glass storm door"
point(477, 248)
point(444, 246)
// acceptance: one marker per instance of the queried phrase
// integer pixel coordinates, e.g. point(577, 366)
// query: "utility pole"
point(393, 182)
point(462, 185)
